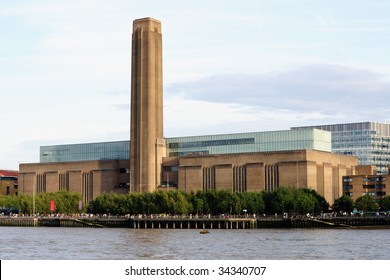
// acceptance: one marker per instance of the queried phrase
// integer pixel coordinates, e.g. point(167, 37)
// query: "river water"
point(26, 243)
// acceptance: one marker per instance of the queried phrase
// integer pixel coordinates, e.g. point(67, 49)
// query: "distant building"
point(368, 141)
point(366, 181)
point(8, 182)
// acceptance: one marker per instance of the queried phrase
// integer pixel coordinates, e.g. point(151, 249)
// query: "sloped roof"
point(9, 173)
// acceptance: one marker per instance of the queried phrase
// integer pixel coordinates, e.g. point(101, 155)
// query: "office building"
point(368, 141)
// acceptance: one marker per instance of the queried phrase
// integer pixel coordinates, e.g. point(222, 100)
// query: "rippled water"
point(272, 244)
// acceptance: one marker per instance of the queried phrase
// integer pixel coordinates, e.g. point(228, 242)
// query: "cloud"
point(308, 95)
point(316, 90)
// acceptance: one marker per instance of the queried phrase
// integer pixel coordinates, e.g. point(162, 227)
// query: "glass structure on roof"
point(287, 140)
point(88, 151)
point(269, 141)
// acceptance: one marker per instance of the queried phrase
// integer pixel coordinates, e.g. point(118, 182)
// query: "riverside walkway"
point(204, 222)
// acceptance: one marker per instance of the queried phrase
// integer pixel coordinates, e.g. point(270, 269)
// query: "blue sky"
point(229, 66)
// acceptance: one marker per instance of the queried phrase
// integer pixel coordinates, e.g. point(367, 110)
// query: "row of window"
point(191, 153)
point(368, 193)
point(378, 186)
point(90, 151)
point(208, 143)
point(365, 179)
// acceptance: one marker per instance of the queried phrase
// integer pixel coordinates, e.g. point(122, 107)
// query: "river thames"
point(44, 243)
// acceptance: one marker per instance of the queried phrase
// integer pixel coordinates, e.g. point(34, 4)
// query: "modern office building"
point(368, 141)
point(258, 161)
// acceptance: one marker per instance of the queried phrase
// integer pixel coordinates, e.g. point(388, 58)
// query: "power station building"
point(258, 161)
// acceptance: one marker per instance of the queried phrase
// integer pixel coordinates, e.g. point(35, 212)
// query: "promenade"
point(203, 222)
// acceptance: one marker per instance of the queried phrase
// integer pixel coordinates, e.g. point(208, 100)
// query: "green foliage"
point(343, 204)
point(290, 200)
point(304, 202)
point(321, 205)
point(294, 201)
point(252, 202)
point(65, 202)
point(366, 203)
point(177, 203)
point(384, 203)
point(172, 202)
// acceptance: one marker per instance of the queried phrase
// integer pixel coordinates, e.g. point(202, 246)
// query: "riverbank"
point(197, 223)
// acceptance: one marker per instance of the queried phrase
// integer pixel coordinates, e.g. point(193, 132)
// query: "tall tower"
point(147, 146)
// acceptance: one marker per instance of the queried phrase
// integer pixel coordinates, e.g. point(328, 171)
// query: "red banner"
point(52, 205)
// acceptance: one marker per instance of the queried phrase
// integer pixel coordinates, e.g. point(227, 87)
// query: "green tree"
point(226, 202)
point(252, 202)
point(162, 202)
point(321, 205)
point(304, 202)
point(280, 200)
point(179, 203)
point(198, 202)
point(366, 203)
point(343, 204)
point(384, 203)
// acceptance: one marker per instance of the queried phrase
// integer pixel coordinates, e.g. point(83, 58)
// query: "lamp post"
point(130, 182)
point(33, 201)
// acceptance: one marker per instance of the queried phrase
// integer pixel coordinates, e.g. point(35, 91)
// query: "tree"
point(366, 203)
point(161, 199)
point(304, 202)
point(280, 200)
point(384, 203)
point(343, 204)
point(251, 201)
point(198, 201)
point(179, 203)
point(321, 205)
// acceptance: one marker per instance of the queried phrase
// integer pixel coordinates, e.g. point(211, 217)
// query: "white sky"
point(229, 66)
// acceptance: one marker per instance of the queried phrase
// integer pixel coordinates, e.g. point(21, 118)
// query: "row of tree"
point(364, 203)
point(282, 200)
point(64, 202)
point(290, 200)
